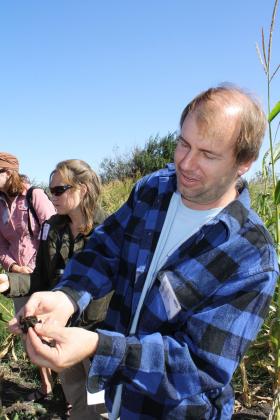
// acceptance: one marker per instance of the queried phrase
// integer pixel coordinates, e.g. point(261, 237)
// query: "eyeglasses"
point(2, 171)
point(60, 189)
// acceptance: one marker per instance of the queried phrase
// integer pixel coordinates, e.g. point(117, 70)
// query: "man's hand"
point(56, 307)
point(4, 283)
point(70, 345)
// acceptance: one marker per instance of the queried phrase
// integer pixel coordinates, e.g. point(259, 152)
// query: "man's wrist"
point(72, 304)
point(93, 344)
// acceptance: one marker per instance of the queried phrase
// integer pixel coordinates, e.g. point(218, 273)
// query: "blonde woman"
point(75, 190)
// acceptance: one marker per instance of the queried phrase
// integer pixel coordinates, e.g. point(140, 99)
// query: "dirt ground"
point(18, 379)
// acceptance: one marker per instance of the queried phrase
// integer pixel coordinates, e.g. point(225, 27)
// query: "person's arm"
point(6, 260)
point(26, 284)
point(80, 274)
point(200, 355)
point(18, 284)
point(44, 209)
point(92, 273)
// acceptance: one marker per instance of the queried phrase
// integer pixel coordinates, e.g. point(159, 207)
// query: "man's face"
point(205, 162)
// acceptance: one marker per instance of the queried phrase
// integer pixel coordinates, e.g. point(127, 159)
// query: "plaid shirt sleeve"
point(93, 272)
point(201, 355)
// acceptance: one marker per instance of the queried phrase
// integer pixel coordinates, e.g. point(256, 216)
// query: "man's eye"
point(182, 143)
point(209, 156)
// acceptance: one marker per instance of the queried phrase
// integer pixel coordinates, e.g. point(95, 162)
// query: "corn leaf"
point(274, 112)
point(277, 193)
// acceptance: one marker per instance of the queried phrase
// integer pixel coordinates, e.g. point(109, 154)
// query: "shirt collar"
point(235, 214)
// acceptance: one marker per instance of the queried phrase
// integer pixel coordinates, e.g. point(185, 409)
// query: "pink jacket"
point(16, 245)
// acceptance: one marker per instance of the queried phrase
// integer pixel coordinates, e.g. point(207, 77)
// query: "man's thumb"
point(48, 330)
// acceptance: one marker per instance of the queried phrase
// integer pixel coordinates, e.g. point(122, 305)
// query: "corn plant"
point(7, 340)
point(270, 200)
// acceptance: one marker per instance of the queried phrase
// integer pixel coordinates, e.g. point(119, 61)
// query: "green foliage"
point(261, 191)
point(268, 205)
point(6, 338)
point(277, 193)
point(155, 155)
point(115, 193)
point(275, 111)
point(6, 311)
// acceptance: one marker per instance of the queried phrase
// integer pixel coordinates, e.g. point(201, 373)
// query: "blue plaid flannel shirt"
point(223, 278)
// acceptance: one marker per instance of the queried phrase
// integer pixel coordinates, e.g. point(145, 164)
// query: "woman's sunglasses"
point(60, 189)
point(2, 171)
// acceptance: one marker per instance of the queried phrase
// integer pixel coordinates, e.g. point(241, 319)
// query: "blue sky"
point(80, 79)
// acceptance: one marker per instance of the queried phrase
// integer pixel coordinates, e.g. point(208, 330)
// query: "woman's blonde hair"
point(77, 172)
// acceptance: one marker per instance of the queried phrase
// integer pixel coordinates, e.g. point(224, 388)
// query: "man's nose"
point(189, 160)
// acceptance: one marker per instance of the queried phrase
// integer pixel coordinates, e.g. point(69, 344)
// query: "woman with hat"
point(20, 228)
point(17, 247)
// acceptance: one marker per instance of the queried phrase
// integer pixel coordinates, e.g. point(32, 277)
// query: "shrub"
point(139, 162)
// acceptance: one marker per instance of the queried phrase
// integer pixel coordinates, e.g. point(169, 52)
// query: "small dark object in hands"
point(29, 321)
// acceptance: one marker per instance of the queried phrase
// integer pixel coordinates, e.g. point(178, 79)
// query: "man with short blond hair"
point(193, 269)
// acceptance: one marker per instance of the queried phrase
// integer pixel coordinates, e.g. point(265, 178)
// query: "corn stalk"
point(269, 173)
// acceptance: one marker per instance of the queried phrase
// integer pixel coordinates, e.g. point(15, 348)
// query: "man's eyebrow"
point(211, 152)
point(182, 139)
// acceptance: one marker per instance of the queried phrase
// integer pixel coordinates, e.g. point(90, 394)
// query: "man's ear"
point(244, 167)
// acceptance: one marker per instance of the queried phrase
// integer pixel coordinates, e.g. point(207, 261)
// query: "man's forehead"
point(223, 126)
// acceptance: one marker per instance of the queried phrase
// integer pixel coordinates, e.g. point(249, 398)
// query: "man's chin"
point(189, 193)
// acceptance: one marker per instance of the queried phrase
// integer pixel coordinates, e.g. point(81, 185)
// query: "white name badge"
point(170, 301)
point(96, 398)
point(45, 232)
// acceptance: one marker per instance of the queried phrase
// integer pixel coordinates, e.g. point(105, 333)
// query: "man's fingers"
point(50, 330)
point(40, 353)
point(14, 326)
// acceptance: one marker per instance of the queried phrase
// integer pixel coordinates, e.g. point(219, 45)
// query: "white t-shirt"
point(185, 223)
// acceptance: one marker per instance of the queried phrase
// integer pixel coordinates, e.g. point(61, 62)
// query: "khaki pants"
point(73, 381)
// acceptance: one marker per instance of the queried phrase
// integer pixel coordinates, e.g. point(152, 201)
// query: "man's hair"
point(251, 117)
point(76, 172)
